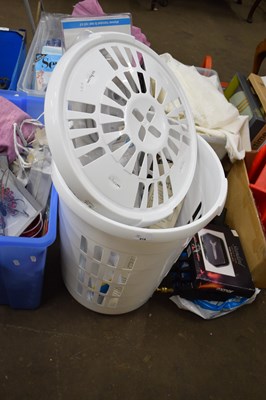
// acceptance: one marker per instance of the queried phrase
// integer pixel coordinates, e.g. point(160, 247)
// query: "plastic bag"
point(213, 309)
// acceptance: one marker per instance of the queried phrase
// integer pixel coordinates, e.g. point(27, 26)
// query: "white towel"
point(213, 114)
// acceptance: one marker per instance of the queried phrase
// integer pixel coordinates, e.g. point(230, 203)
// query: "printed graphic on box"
point(219, 261)
point(44, 66)
point(212, 267)
point(215, 253)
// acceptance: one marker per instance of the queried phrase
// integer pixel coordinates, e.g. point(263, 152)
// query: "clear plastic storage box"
point(49, 28)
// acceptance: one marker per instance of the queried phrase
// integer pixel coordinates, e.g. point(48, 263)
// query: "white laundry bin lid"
point(120, 129)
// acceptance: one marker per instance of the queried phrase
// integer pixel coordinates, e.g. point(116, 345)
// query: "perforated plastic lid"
point(120, 129)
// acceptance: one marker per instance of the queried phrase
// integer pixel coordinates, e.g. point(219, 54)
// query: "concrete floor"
point(64, 351)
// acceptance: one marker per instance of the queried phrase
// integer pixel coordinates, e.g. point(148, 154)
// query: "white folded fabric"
point(213, 115)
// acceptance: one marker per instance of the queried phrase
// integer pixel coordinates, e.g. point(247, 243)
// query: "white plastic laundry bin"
point(113, 268)
point(120, 129)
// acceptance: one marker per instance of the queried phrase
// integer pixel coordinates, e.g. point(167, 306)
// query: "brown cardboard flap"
point(242, 216)
point(249, 158)
point(259, 88)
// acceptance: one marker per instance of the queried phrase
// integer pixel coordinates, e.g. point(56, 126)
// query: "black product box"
point(213, 266)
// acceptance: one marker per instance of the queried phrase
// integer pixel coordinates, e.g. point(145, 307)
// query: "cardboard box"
point(242, 215)
point(213, 266)
point(259, 88)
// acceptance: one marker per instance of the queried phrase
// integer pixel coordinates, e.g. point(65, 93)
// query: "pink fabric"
point(10, 114)
point(92, 8)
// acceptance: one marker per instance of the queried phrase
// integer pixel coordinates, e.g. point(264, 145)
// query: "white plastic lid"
point(120, 129)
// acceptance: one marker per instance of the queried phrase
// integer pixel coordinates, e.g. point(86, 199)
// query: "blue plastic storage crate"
point(22, 259)
point(34, 106)
point(13, 55)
